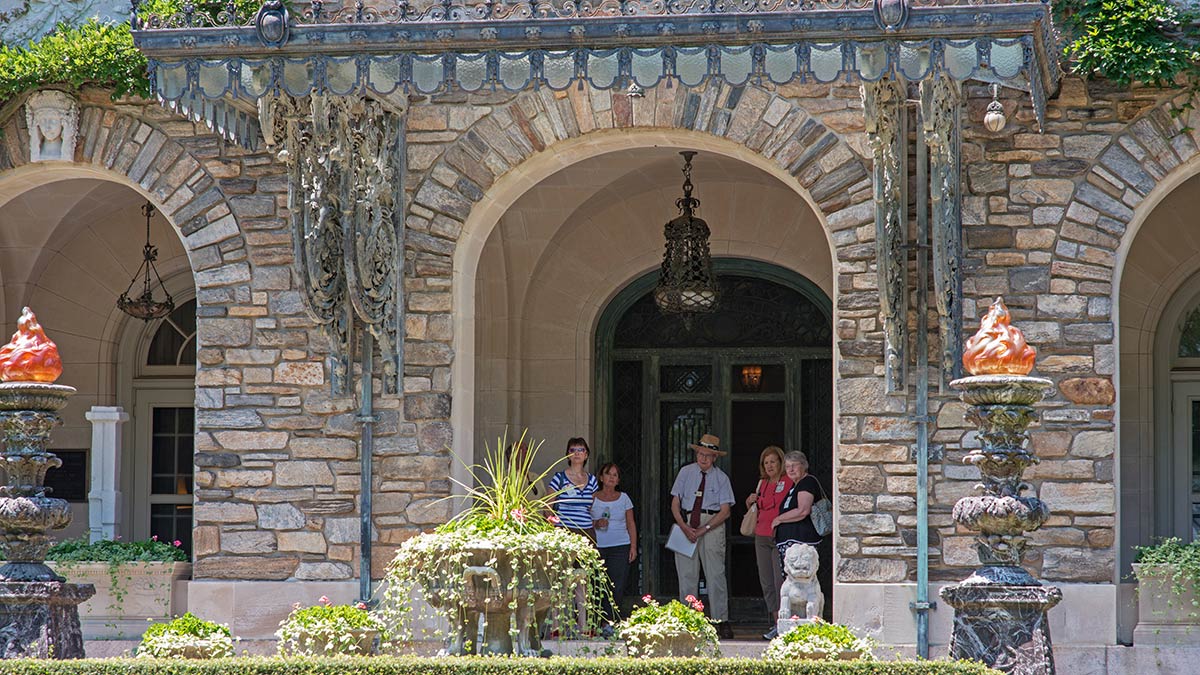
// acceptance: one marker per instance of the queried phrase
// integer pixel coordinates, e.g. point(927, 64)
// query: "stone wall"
point(1045, 215)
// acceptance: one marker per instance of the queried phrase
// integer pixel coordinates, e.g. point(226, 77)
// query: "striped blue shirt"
point(574, 505)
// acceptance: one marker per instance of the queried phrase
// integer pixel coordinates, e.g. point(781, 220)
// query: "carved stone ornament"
point(883, 109)
point(345, 159)
point(53, 121)
point(25, 20)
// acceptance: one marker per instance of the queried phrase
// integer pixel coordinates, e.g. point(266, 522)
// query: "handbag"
point(821, 514)
point(749, 521)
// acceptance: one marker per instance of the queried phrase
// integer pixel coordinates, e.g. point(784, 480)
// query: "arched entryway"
point(756, 372)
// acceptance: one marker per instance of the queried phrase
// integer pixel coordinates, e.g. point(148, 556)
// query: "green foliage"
point(488, 666)
point(109, 551)
point(1126, 41)
point(818, 638)
point(1175, 566)
point(212, 10)
point(650, 627)
point(95, 53)
point(327, 629)
point(187, 636)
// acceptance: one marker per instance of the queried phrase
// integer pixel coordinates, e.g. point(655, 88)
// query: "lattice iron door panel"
point(681, 423)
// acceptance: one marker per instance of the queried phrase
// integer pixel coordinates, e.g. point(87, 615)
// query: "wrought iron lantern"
point(144, 306)
point(686, 283)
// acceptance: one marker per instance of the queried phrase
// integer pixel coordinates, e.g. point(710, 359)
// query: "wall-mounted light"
point(751, 378)
point(994, 119)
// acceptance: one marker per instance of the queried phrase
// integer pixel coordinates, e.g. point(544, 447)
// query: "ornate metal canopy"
point(199, 66)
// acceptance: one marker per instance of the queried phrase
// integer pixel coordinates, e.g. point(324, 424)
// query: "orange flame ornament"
point(30, 356)
point(998, 348)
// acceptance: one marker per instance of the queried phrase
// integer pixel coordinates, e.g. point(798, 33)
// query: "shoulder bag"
point(750, 520)
point(821, 513)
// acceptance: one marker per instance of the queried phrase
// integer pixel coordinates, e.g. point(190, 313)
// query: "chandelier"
point(145, 307)
point(686, 284)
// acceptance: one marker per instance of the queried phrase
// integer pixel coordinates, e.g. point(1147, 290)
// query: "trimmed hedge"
point(486, 666)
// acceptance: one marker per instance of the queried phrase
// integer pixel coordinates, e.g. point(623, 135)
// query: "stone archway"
point(498, 158)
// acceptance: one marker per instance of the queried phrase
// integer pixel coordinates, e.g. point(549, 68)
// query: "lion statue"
point(801, 595)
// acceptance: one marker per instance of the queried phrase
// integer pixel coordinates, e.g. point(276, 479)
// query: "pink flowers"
point(647, 598)
point(517, 515)
point(154, 537)
point(360, 605)
point(554, 520)
point(695, 603)
point(177, 543)
point(324, 600)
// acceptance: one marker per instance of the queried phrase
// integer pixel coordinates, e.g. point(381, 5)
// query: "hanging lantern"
point(144, 306)
point(686, 284)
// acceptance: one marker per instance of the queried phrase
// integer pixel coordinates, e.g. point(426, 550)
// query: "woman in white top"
point(616, 534)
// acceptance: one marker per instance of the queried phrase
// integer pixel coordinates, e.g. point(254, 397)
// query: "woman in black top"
point(793, 524)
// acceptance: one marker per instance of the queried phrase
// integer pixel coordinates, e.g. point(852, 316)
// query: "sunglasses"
point(575, 450)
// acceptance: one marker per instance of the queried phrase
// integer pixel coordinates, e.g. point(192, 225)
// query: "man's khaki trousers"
point(710, 554)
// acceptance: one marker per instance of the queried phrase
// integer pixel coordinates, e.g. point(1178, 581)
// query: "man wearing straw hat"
point(700, 502)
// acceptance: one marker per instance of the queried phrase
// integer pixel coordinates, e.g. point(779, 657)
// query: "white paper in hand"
point(678, 542)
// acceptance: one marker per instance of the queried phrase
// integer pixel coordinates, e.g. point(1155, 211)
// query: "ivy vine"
point(1126, 41)
point(94, 53)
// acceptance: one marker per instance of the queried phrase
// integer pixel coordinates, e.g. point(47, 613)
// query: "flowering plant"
point(655, 630)
point(116, 551)
point(186, 637)
point(326, 629)
point(509, 531)
point(817, 640)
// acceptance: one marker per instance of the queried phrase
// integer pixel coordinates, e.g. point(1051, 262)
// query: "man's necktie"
point(694, 516)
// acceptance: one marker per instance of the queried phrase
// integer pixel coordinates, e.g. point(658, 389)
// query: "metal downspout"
point(366, 416)
point(922, 605)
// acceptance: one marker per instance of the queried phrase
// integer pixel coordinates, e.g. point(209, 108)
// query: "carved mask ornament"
point(53, 121)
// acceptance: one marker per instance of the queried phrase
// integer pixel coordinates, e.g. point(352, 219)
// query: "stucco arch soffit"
point(145, 158)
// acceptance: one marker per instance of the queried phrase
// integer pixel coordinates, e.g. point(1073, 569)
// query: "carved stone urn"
point(39, 611)
point(1000, 610)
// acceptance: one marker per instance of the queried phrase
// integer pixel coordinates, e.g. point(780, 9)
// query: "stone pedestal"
point(39, 611)
point(1000, 610)
point(40, 619)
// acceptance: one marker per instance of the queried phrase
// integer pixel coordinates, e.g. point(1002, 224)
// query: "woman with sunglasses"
point(573, 490)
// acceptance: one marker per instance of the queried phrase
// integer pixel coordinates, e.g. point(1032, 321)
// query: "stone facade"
point(1046, 218)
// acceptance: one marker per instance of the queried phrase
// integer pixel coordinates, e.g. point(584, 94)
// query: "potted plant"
point(1168, 603)
point(187, 637)
point(818, 640)
point(498, 567)
point(133, 580)
point(326, 629)
point(673, 629)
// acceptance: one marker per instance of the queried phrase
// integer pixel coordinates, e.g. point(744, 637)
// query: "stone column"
point(104, 496)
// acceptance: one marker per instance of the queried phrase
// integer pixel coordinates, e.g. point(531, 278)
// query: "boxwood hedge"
point(485, 666)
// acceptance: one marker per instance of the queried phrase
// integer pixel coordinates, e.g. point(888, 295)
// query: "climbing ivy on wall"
point(92, 53)
point(1127, 41)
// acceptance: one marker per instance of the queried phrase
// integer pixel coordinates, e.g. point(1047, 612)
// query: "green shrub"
point(187, 636)
point(95, 53)
point(1126, 41)
point(486, 666)
point(110, 551)
point(327, 629)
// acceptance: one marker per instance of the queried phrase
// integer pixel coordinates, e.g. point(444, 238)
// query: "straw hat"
point(709, 443)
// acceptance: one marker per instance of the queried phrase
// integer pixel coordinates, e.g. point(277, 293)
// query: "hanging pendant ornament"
point(686, 283)
point(145, 307)
point(993, 118)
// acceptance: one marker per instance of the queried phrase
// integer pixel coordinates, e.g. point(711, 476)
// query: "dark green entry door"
point(667, 384)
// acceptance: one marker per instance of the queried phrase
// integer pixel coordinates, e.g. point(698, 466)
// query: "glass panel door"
point(171, 443)
point(681, 423)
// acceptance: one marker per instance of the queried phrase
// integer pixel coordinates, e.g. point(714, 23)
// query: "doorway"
point(756, 372)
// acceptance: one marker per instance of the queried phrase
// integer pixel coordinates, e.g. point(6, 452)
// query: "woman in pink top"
point(773, 486)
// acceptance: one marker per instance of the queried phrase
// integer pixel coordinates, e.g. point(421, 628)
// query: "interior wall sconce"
point(751, 378)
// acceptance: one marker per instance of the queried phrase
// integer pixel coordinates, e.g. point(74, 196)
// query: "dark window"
point(174, 342)
point(171, 452)
point(69, 481)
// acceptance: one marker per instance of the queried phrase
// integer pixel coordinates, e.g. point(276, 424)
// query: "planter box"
point(1166, 615)
point(672, 644)
point(128, 596)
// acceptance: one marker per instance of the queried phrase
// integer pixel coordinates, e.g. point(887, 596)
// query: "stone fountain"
point(1000, 610)
point(39, 611)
